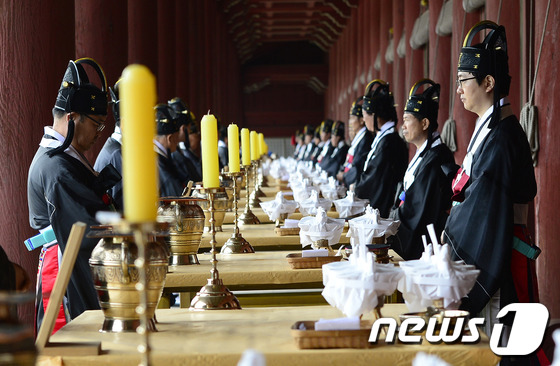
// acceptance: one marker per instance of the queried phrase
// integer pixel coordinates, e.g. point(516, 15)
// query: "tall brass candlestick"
point(236, 243)
point(247, 217)
point(254, 200)
point(214, 296)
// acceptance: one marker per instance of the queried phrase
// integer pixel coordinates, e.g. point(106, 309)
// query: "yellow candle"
point(209, 146)
point(245, 147)
point(233, 148)
point(261, 144)
point(254, 146)
point(139, 168)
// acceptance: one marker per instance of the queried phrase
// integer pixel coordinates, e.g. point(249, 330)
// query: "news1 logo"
point(526, 335)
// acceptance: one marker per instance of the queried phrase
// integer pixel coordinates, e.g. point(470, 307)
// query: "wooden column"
point(385, 20)
point(399, 65)
point(142, 33)
point(101, 33)
point(166, 50)
point(548, 198)
point(440, 63)
point(184, 51)
point(32, 73)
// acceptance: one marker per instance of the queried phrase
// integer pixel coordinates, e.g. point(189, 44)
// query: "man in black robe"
point(223, 146)
point(424, 197)
point(187, 164)
point(63, 187)
point(165, 143)
point(309, 145)
point(334, 160)
point(111, 152)
point(487, 224)
point(387, 158)
point(359, 148)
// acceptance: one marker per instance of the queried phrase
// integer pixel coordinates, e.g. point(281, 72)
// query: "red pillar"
point(184, 66)
point(440, 63)
point(142, 33)
point(548, 198)
point(465, 120)
point(101, 33)
point(385, 17)
point(32, 72)
point(414, 69)
point(166, 50)
point(399, 65)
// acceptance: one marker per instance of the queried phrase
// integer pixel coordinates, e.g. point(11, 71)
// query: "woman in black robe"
point(424, 197)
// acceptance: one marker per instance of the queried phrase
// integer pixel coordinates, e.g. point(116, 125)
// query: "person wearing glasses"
point(424, 195)
point(487, 224)
point(387, 158)
point(165, 143)
point(63, 187)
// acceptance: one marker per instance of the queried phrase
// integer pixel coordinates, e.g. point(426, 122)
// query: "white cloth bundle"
point(435, 276)
point(370, 225)
point(311, 205)
point(354, 287)
point(350, 205)
point(280, 205)
point(302, 190)
point(313, 228)
point(281, 168)
point(331, 189)
point(320, 178)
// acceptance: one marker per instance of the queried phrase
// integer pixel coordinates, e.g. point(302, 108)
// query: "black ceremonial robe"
point(170, 183)
point(378, 183)
point(332, 162)
point(188, 166)
point(111, 153)
point(480, 229)
point(358, 160)
point(426, 201)
point(60, 192)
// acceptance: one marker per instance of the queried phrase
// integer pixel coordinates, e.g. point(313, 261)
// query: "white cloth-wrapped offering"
point(370, 225)
point(350, 205)
point(311, 205)
point(331, 189)
point(354, 287)
point(303, 190)
point(313, 228)
point(351, 323)
point(280, 205)
point(435, 276)
point(321, 178)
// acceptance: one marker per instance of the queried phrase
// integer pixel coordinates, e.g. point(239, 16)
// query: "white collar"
point(386, 126)
point(117, 135)
point(485, 115)
point(358, 136)
point(160, 149)
point(221, 143)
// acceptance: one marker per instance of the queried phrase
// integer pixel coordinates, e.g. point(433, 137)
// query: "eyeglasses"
point(100, 125)
point(460, 81)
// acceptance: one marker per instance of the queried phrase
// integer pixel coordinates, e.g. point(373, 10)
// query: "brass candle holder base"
point(254, 201)
point(215, 296)
point(248, 218)
point(237, 244)
point(183, 259)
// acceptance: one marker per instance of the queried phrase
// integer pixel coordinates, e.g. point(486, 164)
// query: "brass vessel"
point(115, 278)
point(221, 205)
point(186, 225)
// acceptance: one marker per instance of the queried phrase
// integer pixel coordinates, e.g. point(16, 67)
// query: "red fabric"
point(48, 276)
point(349, 160)
point(458, 185)
point(523, 270)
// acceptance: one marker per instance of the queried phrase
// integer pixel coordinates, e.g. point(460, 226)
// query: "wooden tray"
point(311, 338)
point(283, 231)
point(296, 261)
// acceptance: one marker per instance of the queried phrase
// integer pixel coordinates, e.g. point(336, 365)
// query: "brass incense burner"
point(186, 225)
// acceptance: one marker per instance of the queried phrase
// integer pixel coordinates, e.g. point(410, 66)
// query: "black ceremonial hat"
point(317, 133)
point(356, 109)
point(308, 130)
point(115, 102)
point(166, 120)
point(489, 57)
point(338, 129)
point(378, 100)
point(182, 111)
point(326, 125)
point(426, 103)
point(77, 94)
